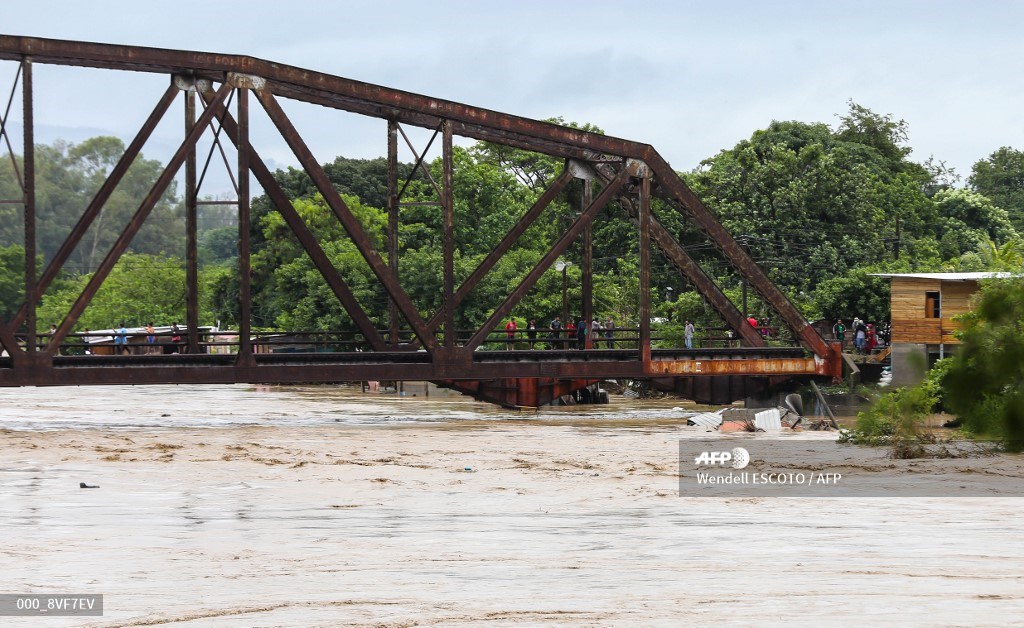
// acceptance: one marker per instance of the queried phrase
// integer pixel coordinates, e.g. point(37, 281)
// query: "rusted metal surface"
point(392, 209)
point(549, 258)
point(521, 392)
point(137, 220)
point(191, 228)
point(31, 292)
point(645, 272)
point(587, 283)
point(399, 365)
point(305, 237)
point(334, 91)
point(244, 261)
point(758, 366)
point(448, 237)
point(348, 221)
point(511, 377)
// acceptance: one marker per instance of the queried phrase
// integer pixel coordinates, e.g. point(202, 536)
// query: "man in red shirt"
point(510, 332)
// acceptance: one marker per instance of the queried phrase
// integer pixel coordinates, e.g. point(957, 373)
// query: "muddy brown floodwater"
point(321, 506)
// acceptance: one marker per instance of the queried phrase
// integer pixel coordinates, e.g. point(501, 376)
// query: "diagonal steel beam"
point(306, 238)
point(506, 243)
point(99, 200)
point(9, 342)
point(419, 163)
point(4, 134)
point(705, 285)
point(585, 218)
point(687, 203)
point(133, 226)
point(348, 221)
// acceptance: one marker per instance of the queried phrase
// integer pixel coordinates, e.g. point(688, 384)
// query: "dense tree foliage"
point(985, 380)
point(1000, 177)
point(817, 206)
point(67, 178)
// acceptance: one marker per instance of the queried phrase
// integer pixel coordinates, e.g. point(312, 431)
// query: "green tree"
point(139, 289)
point(67, 178)
point(12, 280)
point(1000, 177)
point(968, 221)
point(985, 381)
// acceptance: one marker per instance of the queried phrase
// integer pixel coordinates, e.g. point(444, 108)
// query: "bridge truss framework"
point(628, 173)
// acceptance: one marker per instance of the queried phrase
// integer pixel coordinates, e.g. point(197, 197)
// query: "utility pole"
point(896, 244)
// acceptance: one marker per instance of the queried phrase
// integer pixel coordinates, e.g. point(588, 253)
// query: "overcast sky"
point(690, 78)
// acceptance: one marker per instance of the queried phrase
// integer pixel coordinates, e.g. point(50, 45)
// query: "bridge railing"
point(305, 341)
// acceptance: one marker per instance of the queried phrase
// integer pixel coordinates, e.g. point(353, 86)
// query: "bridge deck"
point(404, 365)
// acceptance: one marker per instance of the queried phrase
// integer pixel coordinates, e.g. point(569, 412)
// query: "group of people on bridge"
point(563, 337)
point(866, 337)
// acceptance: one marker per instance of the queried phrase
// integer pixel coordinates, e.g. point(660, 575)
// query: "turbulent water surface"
point(256, 506)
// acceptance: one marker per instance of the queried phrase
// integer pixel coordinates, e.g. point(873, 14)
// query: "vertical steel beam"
point(393, 225)
point(244, 265)
point(549, 258)
point(191, 231)
point(588, 267)
point(448, 236)
point(305, 237)
point(137, 220)
point(690, 269)
point(506, 243)
point(29, 150)
point(645, 272)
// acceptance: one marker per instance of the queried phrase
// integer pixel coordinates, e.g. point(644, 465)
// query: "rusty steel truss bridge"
point(620, 174)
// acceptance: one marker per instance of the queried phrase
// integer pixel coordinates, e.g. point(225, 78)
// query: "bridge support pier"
point(525, 392)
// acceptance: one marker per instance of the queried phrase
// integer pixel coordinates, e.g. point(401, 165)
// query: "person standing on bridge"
point(556, 329)
point(121, 338)
point(839, 331)
point(609, 332)
point(510, 334)
point(581, 334)
point(175, 338)
point(570, 333)
point(688, 333)
point(531, 332)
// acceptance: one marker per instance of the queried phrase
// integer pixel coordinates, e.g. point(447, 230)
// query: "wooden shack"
point(923, 311)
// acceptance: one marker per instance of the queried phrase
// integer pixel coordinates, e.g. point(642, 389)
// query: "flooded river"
point(322, 506)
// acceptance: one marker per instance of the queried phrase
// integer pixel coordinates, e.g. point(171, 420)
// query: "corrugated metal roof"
point(705, 419)
point(948, 276)
point(768, 420)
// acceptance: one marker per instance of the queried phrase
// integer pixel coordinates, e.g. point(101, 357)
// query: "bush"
point(895, 419)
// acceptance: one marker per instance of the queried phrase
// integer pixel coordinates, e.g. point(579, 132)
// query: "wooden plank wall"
point(909, 323)
point(956, 297)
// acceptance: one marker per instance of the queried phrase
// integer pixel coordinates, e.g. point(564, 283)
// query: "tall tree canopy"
point(1000, 177)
